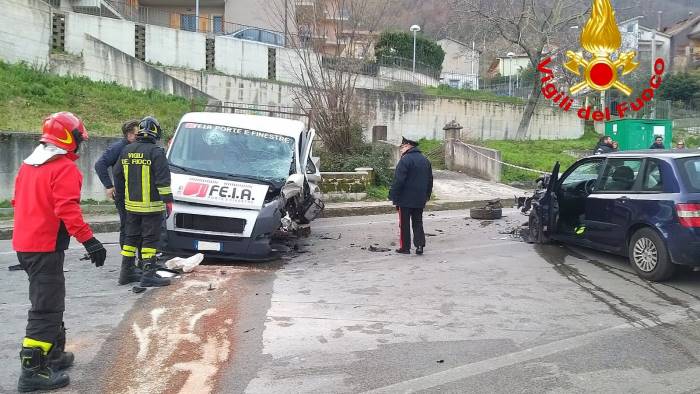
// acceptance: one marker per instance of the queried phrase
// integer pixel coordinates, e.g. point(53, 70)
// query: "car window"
point(267, 37)
point(583, 173)
point(652, 181)
point(620, 175)
point(690, 172)
point(249, 34)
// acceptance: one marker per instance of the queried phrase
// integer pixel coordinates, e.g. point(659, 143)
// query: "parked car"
point(259, 35)
point(644, 205)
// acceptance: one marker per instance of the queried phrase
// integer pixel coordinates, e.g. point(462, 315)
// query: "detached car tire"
point(486, 213)
point(537, 235)
point(649, 257)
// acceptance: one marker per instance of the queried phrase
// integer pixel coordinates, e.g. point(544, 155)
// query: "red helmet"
point(64, 130)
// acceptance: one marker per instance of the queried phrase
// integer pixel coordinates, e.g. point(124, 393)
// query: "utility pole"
point(286, 27)
point(196, 15)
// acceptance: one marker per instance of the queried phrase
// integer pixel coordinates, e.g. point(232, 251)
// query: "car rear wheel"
point(537, 235)
point(649, 257)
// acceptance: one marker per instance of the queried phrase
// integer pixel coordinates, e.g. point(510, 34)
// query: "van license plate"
point(213, 246)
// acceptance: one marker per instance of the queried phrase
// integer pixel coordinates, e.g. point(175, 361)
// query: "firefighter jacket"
point(144, 172)
point(47, 207)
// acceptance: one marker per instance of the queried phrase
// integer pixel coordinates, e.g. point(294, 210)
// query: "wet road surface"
point(480, 312)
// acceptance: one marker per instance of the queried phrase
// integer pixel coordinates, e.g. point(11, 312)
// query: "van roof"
point(267, 124)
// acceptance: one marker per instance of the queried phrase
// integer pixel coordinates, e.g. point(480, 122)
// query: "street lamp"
point(510, 73)
point(415, 29)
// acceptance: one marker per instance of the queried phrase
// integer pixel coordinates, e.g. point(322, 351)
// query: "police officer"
point(47, 214)
point(411, 190)
point(143, 169)
point(110, 159)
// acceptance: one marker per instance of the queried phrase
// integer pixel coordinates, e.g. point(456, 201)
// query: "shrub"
point(375, 156)
point(400, 44)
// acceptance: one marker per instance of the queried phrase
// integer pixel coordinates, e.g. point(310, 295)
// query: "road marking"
point(473, 369)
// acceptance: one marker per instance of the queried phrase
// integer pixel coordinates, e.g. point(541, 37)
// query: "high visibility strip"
point(129, 248)
point(126, 183)
point(148, 250)
point(33, 343)
point(146, 183)
point(164, 190)
point(147, 256)
point(126, 253)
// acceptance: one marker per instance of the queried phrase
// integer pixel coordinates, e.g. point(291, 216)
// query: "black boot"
point(130, 272)
point(419, 250)
point(150, 277)
point(36, 375)
point(58, 359)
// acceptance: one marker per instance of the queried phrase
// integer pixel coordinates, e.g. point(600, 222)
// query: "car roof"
point(280, 126)
point(667, 154)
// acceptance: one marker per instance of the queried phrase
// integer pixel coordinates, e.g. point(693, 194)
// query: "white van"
point(236, 180)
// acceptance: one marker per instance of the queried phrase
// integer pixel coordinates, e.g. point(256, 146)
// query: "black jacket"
point(144, 171)
point(413, 181)
point(603, 148)
point(655, 146)
point(109, 158)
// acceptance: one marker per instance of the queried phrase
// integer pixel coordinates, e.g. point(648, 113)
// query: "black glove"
point(97, 252)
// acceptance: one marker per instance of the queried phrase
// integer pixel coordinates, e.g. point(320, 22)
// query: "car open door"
point(544, 211)
point(310, 165)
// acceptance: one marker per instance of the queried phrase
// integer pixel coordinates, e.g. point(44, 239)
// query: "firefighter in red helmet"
point(47, 213)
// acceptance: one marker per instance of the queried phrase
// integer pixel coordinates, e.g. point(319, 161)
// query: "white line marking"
point(473, 369)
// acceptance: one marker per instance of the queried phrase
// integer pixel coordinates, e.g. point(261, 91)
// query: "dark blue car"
point(644, 205)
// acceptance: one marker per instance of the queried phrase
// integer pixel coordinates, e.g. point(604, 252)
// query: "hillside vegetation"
point(28, 95)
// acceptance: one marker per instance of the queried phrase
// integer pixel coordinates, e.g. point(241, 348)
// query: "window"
point(652, 178)
point(583, 173)
point(249, 34)
point(690, 172)
point(218, 24)
point(620, 175)
point(188, 22)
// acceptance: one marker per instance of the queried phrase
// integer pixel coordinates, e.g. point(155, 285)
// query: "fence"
point(212, 24)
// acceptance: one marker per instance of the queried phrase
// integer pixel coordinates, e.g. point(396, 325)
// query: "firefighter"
point(144, 171)
point(47, 213)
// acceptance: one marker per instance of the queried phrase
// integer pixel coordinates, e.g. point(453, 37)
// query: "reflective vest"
point(143, 170)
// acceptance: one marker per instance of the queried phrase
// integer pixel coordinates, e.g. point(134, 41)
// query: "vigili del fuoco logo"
point(598, 68)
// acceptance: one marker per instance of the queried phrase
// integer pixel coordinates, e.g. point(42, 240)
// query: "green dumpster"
point(635, 134)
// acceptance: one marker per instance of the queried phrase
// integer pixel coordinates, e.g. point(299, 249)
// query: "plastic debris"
point(186, 265)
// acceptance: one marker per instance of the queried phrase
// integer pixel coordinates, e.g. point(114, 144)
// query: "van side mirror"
point(294, 186)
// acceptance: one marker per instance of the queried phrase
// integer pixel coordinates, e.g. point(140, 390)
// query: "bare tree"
point(532, 25)
point(329, 46)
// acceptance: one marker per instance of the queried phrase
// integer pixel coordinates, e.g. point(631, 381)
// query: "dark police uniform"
point(411, 190)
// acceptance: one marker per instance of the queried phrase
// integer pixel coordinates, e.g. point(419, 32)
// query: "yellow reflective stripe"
point(33, 343)
point(126, 182)
point(164, 190)
point(146, 183)
point(147, 256)
point(148, 209)
point(126, 253)
point(148, 250)
point(129, 248)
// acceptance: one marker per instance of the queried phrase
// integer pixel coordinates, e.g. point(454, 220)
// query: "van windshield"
point(233, 152)
point(690, 171)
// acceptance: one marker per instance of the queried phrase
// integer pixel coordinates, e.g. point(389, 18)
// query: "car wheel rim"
point(645, 254)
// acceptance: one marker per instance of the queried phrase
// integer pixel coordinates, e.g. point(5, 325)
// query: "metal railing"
point(210, 24)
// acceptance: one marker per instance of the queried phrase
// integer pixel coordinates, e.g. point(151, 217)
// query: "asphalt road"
point(480, 312)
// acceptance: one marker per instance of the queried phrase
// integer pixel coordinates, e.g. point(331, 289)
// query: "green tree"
point(679, 87)
point(400, 45)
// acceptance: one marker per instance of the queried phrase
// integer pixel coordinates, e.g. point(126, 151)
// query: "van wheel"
point(649, 257)
point(537, 235)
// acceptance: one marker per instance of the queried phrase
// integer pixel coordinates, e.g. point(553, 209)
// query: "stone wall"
point(15, 147)
point(473, 160)
point(347, 185)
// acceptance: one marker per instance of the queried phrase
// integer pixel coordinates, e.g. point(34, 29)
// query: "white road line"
point(473, 369)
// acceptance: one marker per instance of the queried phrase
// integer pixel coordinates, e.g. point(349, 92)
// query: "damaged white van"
point(236, 180)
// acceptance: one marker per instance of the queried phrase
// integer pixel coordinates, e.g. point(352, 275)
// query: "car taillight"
point(689, 214)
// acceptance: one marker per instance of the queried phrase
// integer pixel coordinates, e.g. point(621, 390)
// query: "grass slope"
point(28, 95)
point(538, 154)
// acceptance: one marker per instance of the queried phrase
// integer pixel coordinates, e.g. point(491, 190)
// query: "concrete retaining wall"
point(15, 147)
point(118, 33)
point(102, 62)
point(25, 32)
point(178, 48)
point(347, 185)
point(473, 160)
point(240, 57)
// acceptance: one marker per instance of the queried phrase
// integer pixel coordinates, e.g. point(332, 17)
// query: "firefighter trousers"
point(411, 218)
point(142, 231)
point(47, 294)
